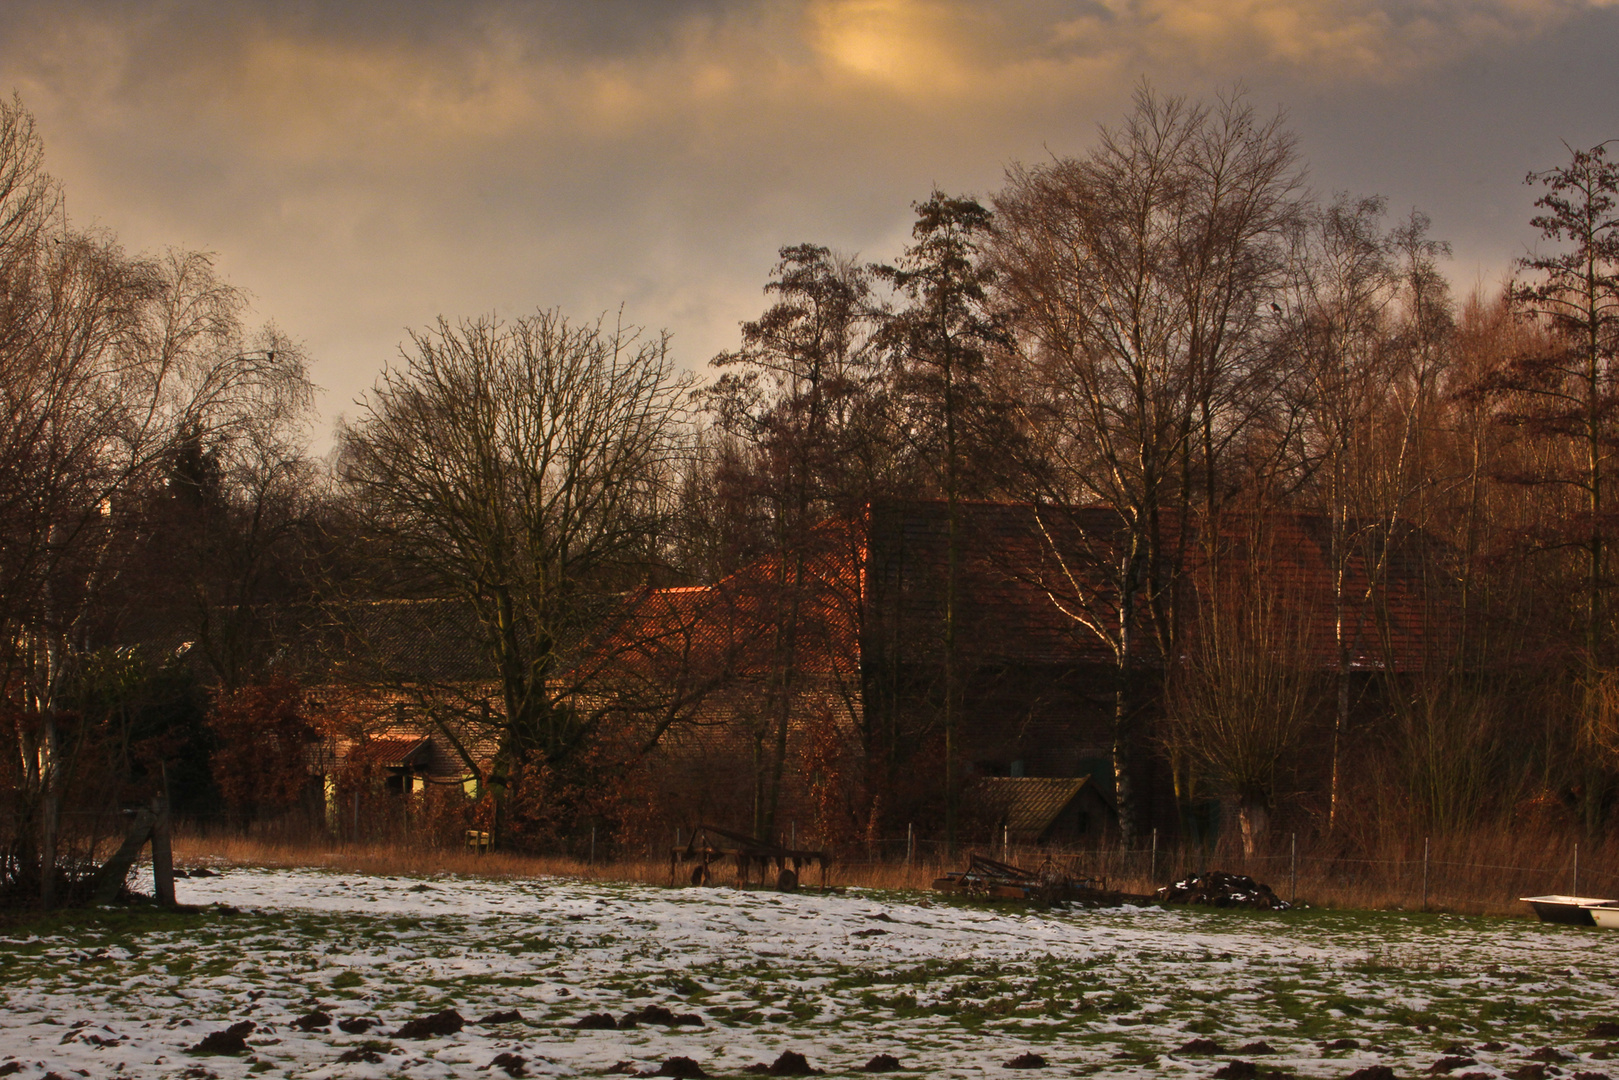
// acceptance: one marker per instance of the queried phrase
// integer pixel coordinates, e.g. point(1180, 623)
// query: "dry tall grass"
point(1482, 873)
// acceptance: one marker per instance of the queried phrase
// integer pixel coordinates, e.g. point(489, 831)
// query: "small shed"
point(404, 762)
point(1045, 810)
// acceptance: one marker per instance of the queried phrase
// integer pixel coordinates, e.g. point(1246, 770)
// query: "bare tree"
point(802, 398)
point(104, 360)
point(1572, 388)
point(523, 469)
point(940, 342)
point(1137, 278)
point(1240, 702)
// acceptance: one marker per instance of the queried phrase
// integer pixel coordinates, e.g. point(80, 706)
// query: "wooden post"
point(162, 854)
point(910, 843)
point(1293, 871)
point(1574, 890)
point(1152, 862)
point(1424, 873)
point(593, 845)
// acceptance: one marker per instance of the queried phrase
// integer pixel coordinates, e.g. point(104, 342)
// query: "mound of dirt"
point(1450, 1064)
point(657, 1014)
point(370, 1057)
point(1549, 1053)
point(311, 1020)
point(790, 1063)
point(1237, 1070)
point(882, 1063)
point(682, 1068)
point(446, 1022)
point(1604, 1029)
point(1201, 1046)
point(511, 1063)
point(1260, 1047)
point(1372, 1072)
point(233, 1040)
point(1220, 889)
point(598, 1022)
point(504, 1016)
point(357, 1025)
point(1026, 1060)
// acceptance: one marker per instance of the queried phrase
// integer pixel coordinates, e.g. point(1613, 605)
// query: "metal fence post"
point(1424, 873)
point(1152, 863)
point(910, 842)
point(1575, 888)
point(1293, 869)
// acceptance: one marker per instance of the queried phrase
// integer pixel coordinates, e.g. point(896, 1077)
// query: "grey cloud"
point(365, 167)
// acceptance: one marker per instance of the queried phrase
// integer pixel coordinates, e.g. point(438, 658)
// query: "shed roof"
point(1029, 805)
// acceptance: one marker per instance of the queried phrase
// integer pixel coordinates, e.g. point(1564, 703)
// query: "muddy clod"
point(233, 1040)
point(597, 1022)
point(1237, 1070)
point(882, 1063)
point(683, 1068)
point(513, 1064)
point(370, 1057)
point(792, 1063)
point(1450, 1064)
point(1026, 1060)
point(311, 1020)
point(504, 1016)
point(445, 1022)
point(357, 1025)
point(1372, 1072)
point(658, 1014)
point(1201, 1046)
point(1261, 1047)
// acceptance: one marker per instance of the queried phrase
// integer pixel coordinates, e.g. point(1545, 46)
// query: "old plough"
point(711, 847)
point(986, 878)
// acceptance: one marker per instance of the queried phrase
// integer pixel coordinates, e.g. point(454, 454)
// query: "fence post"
point(1575, 888)
point(593, 845)
point(1424, 873)
point(910, 843)
point(1293, 870)
point(1006, 839)
point(1152, 863)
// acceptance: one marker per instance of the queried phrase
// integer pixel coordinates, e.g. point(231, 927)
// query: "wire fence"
point(1483, 872)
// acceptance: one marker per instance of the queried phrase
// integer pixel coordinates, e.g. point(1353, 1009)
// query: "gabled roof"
point(394, 753)
point(806, 607)
point(1029, 806)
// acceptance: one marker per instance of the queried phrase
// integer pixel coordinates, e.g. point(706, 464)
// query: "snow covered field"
point(948, 990)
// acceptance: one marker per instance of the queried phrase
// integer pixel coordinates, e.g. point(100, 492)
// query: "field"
point(947, 989)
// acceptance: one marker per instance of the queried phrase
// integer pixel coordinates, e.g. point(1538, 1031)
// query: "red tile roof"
point(1029, 579)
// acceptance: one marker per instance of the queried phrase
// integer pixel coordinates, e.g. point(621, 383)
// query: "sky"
point(364, 168)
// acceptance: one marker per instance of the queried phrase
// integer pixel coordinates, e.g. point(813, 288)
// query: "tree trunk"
point(1254, 819)
point(49, 814)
